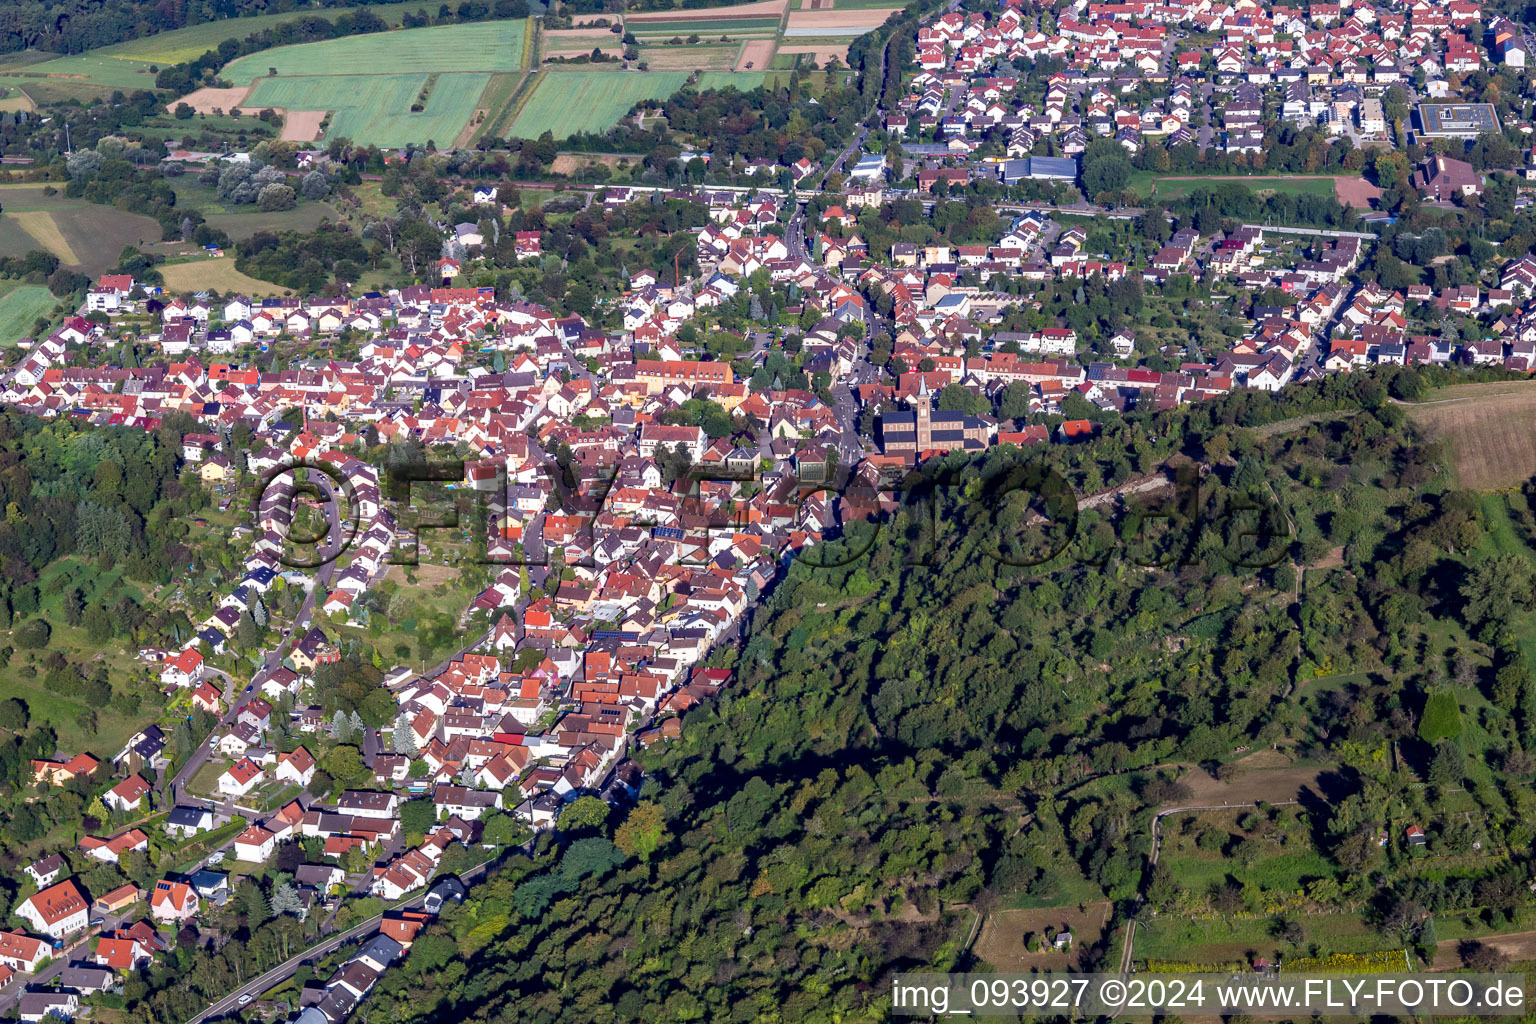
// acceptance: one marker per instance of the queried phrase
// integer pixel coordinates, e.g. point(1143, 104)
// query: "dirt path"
point(1127, 954)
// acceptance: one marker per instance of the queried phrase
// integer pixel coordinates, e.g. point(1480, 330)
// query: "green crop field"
point(19, 308)
point(704, 26)
point(376, 109)
point(94, 69)
point(593, 101)
point(184, 44)
point(484, 46)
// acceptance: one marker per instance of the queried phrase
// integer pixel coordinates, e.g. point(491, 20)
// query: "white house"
point(255, 845)
point(57, 911)
point(297, 767)
point(242, 777)
point(186, 669)
point(127, 795)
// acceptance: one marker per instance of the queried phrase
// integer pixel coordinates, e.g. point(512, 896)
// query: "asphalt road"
point(285, 970)
point(236, 698)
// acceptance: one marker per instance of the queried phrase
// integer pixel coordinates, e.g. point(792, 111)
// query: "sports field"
point(1151, 183)
point(376, 109)
point(19, 308)
point(485, 46)
point(593, 101)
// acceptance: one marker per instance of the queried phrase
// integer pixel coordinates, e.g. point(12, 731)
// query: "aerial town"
point(635, 493)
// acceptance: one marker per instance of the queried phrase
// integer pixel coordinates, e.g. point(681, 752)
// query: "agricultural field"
point(759, 9)
point(84, 236)
point(484, 46)
point(376, 109)
point(789, 57)
point(13, 97)
point(704, 27)
point(491, 108)
point(1490, 428)
point(95, 69)
point(688, 58)
point(593, 101)
point(133, 64)
point(217, 273)
point(370, 83)
point(184, 44)
point(836, 22)
point(19, 309)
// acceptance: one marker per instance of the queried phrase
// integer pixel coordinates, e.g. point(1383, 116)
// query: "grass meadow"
point(568, 102)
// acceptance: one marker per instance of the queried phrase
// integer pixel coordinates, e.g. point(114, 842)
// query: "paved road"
point(285, 970)
point(1312, 232)
point(237, 699)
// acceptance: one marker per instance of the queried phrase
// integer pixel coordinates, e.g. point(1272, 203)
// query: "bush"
point(32, 635)
point(275, 197)
point(1441, 719)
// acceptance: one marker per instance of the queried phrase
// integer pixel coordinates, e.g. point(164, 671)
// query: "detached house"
point(58, 911)
point(172, 901)
point(242, 777)
point(127, 795)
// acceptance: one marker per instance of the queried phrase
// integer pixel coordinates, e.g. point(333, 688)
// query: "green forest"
point(931, 721)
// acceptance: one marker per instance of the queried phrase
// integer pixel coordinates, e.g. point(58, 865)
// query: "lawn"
point(483, 46)
point(594, 101)
point(1220, 939)
point(249, 220)
point(19, 308)
point(218, 273)
point(23, 677)
point(1281, 863)
point(376, 109)
point(1151, 183)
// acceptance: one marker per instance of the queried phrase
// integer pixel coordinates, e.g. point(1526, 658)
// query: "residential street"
point(237, 697)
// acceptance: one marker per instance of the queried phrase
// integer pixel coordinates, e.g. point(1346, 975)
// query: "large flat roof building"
point(1456, 120)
